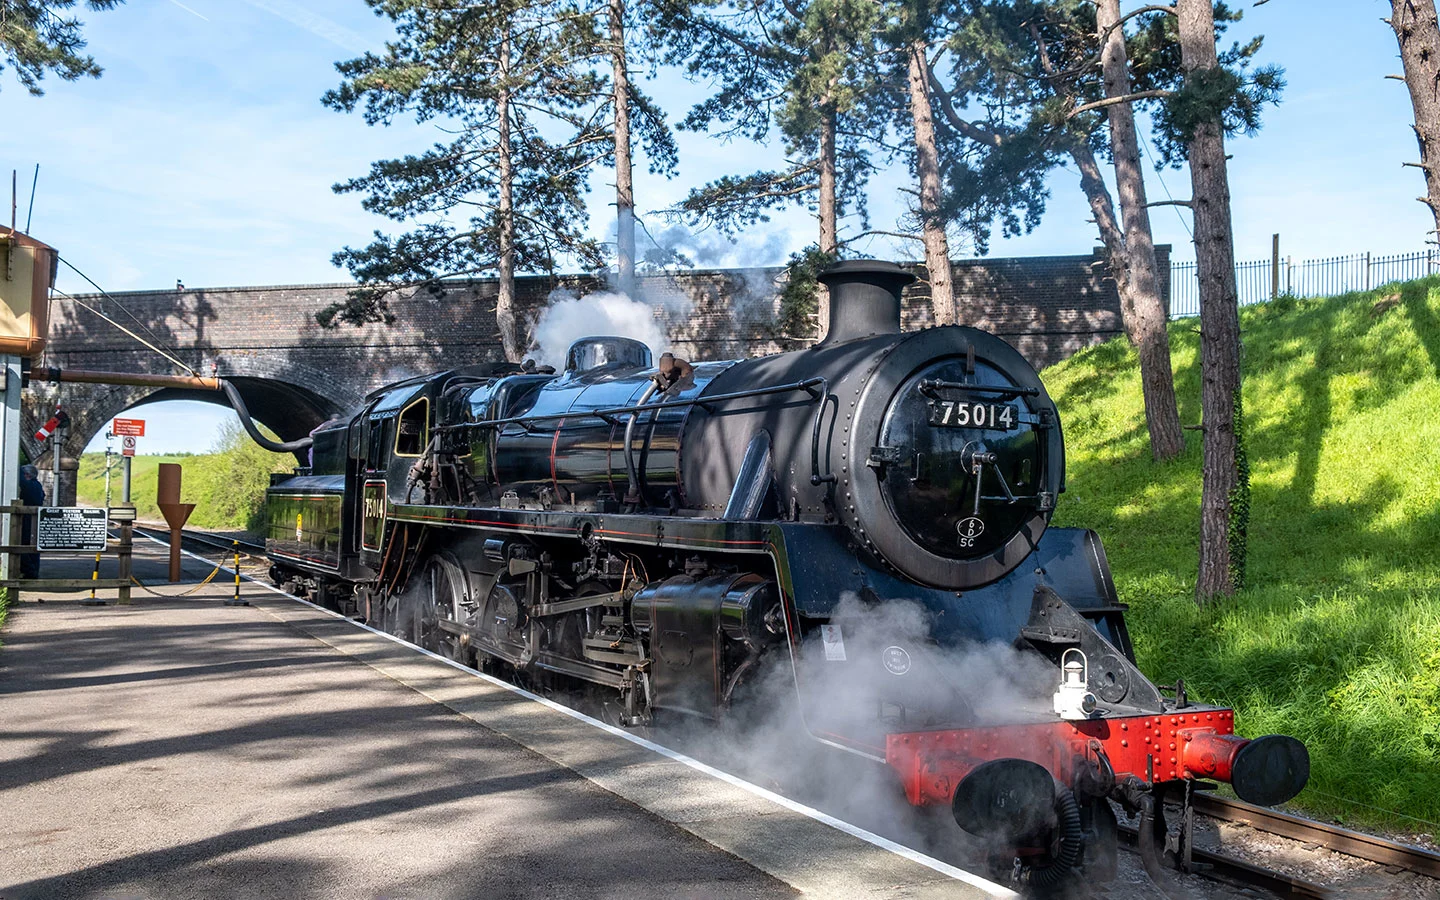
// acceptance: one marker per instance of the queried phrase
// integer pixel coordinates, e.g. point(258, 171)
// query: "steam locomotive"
point(868, 516)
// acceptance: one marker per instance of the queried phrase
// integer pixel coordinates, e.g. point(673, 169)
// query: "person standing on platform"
point(31, 494)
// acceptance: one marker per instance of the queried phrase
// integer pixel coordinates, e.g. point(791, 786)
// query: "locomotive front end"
point(958, 455)
point(948, 460)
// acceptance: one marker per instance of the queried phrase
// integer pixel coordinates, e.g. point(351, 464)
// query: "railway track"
point(162, 533)
point(1381, 851)
point(1233, 870)
point(1392, 855)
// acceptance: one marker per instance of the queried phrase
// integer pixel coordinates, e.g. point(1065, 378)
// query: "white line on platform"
point(869, 837)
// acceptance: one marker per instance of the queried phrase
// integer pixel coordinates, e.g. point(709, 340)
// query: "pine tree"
point(1199, 118)
point(1064, 69)
point(913, 30)
point(795, 68)
point(1211, 95)
point(632, 33)
point(500, 77)
point(38, 36)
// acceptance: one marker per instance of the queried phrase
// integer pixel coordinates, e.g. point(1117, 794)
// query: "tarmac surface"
point(178, 748)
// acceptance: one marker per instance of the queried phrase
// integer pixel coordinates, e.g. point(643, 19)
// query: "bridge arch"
point(288, 409)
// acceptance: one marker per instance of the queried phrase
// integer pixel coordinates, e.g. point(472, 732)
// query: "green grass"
point(227, 485)
point(1336, 638)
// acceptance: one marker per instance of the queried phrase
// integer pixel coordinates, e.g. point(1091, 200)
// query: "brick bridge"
point(294, 374)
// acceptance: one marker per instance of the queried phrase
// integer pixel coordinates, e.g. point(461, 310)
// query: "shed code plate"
point(71, 528)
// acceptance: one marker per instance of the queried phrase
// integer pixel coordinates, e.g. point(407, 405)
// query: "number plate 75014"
point(962, 414)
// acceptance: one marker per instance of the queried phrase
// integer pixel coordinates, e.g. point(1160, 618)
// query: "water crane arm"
point(85, 376)
point(273, 446)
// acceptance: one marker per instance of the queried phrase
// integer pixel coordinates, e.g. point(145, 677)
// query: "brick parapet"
point(1048, 307)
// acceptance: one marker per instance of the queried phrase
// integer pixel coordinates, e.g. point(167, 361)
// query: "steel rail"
point(1228, 868)
point(1332, 837)
point(251, 548)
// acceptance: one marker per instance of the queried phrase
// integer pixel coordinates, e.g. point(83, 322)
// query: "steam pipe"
point(1151, 836)
point(1072, 841)
point(634, 495)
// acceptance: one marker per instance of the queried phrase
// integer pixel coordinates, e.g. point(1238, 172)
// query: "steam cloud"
point(568, 318)
point(967, 685)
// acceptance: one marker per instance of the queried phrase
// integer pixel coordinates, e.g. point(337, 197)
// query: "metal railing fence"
point(1256, 280)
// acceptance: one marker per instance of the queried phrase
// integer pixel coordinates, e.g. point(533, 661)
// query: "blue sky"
point(204, 154)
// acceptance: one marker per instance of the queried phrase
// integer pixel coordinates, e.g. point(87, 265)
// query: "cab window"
point(413, 432)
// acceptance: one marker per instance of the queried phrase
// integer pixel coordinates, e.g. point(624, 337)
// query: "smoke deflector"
point(864, 298)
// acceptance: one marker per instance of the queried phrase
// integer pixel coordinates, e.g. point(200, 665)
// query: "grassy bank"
point(227, 485)
point(1336, 639)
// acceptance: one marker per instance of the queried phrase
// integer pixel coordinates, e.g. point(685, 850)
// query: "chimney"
point(864, 298)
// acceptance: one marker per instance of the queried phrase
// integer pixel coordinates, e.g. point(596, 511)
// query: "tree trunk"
point(624, 186)
point(927, 169)
point(1418, 32)
point(1139, 287)
point(510, 338)
point(829, 235)
point(1225, 496)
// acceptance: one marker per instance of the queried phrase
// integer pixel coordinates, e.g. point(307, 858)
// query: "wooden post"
point(126, 532)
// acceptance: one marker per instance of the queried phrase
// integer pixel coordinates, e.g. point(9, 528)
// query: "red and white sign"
point(131, 427)
point(127, 446)
point(49, 427)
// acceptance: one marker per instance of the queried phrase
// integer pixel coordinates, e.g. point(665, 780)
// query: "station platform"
point(178, 747)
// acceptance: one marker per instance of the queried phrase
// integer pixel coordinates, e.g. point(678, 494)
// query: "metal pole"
point(109, 463)
point(57, 442)
point(125, 481)
point(1274, 266)
point(1367, 270)
point(10, 451)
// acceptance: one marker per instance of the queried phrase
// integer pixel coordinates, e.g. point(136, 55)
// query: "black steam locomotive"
point(868, 515)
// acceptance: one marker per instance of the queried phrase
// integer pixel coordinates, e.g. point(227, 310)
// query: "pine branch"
point(1111, 101)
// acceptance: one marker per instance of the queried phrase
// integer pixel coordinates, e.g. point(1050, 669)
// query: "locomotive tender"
point(659, 534)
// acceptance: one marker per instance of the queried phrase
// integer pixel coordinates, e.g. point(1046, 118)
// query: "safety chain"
point(220, 566)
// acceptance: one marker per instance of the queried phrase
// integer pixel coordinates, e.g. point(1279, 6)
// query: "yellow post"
point(94, 576)
point(237, 600)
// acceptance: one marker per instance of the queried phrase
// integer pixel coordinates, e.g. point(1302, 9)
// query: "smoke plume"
point(568, 318)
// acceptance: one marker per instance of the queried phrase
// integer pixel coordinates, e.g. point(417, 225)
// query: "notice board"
point(71, 528)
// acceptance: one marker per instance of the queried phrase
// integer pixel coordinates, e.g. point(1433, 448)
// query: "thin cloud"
point(188, 9)
point(316, 24)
